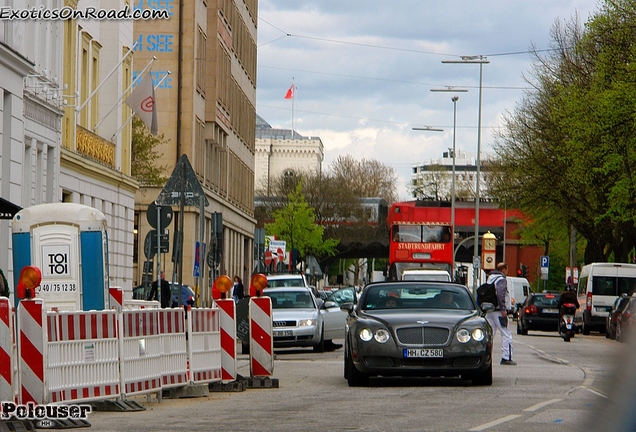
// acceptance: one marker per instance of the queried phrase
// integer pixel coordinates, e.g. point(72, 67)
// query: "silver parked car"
point(302, 320)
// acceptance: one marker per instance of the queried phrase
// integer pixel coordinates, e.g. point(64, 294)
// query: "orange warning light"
point(30, 277)
point(223, 283)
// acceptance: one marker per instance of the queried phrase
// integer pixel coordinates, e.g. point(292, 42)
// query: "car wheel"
point(586, 329)
point(524, 331)
point(482, 378)
point(321, 345)
point(347, 364)
point(355, 378)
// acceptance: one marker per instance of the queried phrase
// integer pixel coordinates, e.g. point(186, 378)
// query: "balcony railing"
point(95, 147)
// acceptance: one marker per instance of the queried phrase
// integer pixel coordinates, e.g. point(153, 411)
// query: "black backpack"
point(487, 293)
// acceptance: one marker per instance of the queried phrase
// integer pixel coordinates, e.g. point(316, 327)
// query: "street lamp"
point(481, 60)
point(453, 194)
point(429, 129)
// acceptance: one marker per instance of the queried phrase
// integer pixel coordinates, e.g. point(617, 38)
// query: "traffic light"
point(524, 270)
point(519, 273)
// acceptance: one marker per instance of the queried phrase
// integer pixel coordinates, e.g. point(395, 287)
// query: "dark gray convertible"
point(417, 328)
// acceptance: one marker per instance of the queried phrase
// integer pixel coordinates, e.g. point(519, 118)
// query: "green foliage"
point(144, 155)
point(4, 289)
point(296, 224)
point(567, 155)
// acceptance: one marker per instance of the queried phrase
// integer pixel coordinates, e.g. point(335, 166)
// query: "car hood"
point(432, 316)
point(294, 314)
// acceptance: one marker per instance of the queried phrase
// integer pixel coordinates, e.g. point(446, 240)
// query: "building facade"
point(283, 151)
point(206, 51)
point(96, 135)
point(432, 179)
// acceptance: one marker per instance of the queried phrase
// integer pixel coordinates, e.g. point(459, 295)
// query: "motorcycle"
point(567, 330)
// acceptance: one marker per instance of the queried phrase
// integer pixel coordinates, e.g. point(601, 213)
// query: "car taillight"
point(531, 310)
point(588, 301)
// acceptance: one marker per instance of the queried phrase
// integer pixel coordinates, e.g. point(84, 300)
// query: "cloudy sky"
point(363, 71)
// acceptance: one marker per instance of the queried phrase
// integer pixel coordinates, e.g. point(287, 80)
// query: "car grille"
point(375, 361)
point(423, 335)
point(284, 324)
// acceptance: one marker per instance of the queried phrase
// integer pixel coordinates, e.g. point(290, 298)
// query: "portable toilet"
point(69, 244)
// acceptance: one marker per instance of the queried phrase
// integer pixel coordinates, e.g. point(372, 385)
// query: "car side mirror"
point(330, 304)
point(347, 307)
point(487, 307)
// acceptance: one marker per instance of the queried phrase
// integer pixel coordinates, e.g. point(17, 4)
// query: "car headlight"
point(307, 323)
point(463, 335)
point(382, 335)
point(478, 334)
point(366, 334)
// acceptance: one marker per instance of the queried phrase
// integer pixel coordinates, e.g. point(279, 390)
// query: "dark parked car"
point(625, 321)
point(539, 312)
point(416, 328)
point(188, 296)
point(612, 318)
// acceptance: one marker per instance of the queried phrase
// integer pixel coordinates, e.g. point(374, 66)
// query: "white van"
point(599, 286)
point(519, 289)
point(426, 275)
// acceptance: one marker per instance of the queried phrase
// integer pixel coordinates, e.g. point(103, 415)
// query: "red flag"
point(290, 92)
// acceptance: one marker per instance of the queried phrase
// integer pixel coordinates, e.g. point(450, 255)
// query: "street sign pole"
point(159, 251)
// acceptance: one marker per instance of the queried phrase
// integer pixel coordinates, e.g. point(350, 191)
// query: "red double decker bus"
point(420, 237)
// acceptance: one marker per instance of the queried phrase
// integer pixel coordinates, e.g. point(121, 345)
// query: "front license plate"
point(279, 333)
point(550, 311)
point(410, 353)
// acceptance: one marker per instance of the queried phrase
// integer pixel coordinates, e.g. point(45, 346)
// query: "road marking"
point(494, 423)
point(541, 405)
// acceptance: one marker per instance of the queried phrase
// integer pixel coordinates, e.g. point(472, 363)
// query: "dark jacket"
point(501, 288)
point(568, 297)
point(166, 295)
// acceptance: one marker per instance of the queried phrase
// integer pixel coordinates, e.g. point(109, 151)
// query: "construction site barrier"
point(32, 350)
point(140, 351)
point(261, 340)
point(204, 347)
point(7, 351)
point(227, 308)
point(174, 355)
point(83, 356)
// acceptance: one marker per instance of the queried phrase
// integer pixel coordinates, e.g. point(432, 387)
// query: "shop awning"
point(8, 209)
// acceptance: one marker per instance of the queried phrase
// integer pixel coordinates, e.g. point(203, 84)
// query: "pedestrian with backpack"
point(498, 319)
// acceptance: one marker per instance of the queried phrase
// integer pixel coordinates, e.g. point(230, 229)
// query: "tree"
point(567, 155)
point(144, 155)
point(296, 224)
point(366, 178)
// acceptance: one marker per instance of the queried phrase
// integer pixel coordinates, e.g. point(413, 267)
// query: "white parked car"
point(302, 320)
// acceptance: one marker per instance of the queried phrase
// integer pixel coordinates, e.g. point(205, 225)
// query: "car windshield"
point(416, 296)
point(548, 300)
point(291, 299)
point(291, 282)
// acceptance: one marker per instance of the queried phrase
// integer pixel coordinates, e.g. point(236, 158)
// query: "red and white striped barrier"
point(140, 351)
point(228, 339)
point(204, 345)
point(7, 346)
point(116, 298)
point(83, 356)
point(174, 358)
point(32, 349)
point(261, 340)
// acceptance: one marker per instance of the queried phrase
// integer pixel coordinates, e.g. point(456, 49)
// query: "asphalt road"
point(557, 386)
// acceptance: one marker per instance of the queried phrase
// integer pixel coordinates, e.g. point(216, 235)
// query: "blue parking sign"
point(545, 261)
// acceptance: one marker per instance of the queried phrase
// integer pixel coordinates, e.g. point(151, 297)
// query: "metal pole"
point(477, 273)
point(158, 249)
point(454, 99)
point(202, 298)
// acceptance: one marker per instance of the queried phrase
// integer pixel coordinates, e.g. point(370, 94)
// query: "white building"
point(280, 150)
point(432, 179)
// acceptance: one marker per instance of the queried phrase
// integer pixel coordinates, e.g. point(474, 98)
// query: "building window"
point(201, 60)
